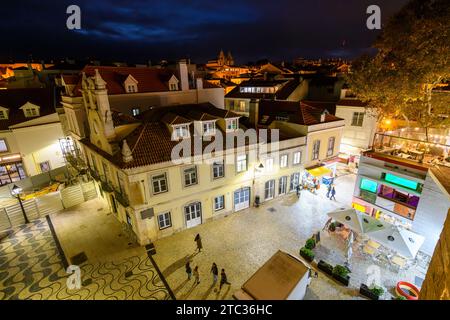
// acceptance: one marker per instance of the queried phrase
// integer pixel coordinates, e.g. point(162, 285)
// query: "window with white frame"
point(241, 163)
point(316, 150)
point(357, 119)
point(31, 112)
point(297, 157)
point(282, 185)
point(295, 181)
point(3, 145)
point(135, 111)
point(131, 88)
point(218, 170)
point(180, 132)
point(3, 114)
point(232, 124)
point(283, 161)
point(242, 107)
point(164, 220)
point(219, 203)
point(209, 128)
point(173, 87)
point(330, 149)
point(190, 176)
point(159, 183)
point(269, 164)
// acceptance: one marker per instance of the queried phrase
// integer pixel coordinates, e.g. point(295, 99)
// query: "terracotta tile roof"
point(322, 105)
point(296, 112)
point(311, 115)
point(13, 99)
point(351, 103)
point(172, 118)
point(151, 142)
point(120, 119)
point(149, 79)
point(70, 79)
point(209, 85)
point(200, 116)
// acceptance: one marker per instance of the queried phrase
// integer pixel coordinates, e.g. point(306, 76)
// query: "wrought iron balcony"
point(95, 175)
point(106, 185)
point(121, 198)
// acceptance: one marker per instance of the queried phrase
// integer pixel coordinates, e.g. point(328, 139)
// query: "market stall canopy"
point(358, 222)
point(406, 243)
point(277, 279)
point(319, 171)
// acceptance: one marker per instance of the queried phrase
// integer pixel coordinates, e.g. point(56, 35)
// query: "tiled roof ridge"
point(140, 136)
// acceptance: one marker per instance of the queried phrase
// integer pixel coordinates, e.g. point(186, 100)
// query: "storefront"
point(11, 169)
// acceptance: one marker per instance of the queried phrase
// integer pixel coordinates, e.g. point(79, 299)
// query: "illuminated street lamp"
point(16, 191)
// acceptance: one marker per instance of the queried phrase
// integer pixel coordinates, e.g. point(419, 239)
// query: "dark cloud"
point(151, 29)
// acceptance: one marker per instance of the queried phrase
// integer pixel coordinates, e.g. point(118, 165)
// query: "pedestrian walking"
point(188, 270)
point(198, 240)
point(297, 189)
point(223, 279)
point(333, 193)
point(328, 190)
point(215, 272)
point(196, 275)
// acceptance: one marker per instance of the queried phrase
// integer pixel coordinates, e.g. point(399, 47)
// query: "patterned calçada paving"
point(31, 268)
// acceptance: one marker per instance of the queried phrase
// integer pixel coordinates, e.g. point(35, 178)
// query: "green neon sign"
point(401, 181)
point(369, 185)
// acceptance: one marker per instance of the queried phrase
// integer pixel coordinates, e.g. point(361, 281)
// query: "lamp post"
point(16, 193)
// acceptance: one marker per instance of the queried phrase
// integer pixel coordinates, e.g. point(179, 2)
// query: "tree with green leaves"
point(412, 60)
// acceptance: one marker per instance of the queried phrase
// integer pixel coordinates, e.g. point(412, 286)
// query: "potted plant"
point(307, 254)
point(373, 293)
point(340, 273)
point(325, 267)
point(332, 227)
point(310, 244)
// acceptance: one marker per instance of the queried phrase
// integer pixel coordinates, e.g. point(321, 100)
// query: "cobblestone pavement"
point(31, 267)
point(243, 241)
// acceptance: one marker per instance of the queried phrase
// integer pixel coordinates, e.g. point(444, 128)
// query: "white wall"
point(359, 137)
point(430, 215)
point(38, 144)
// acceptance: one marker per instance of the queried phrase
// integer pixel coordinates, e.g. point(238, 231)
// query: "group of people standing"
point(214, 269)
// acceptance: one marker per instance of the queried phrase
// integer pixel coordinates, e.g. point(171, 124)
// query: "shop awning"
point(319, 171)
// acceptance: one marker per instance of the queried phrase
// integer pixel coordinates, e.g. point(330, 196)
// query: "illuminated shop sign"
point(401, 181)
point(369, 185)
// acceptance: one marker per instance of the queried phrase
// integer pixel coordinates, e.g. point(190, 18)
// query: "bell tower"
point(103, 108)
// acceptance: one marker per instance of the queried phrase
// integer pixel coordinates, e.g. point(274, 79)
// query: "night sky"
point(151, 29)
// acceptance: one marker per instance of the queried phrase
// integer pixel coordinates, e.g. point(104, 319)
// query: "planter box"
point(325, 267)
point(345, 281)
point(366, 292)
point(307, 258)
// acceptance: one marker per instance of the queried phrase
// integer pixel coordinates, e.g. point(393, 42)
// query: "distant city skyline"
point(139, 31)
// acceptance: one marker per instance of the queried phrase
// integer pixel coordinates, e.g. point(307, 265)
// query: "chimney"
point(183, 73)
point(127, 156)
point(254, 112)
point(199, 83)
point(322, 116)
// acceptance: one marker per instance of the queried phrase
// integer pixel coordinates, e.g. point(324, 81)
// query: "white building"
point(403, 192)
point(133, 90)
point(360, 123)
point(30, 133)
